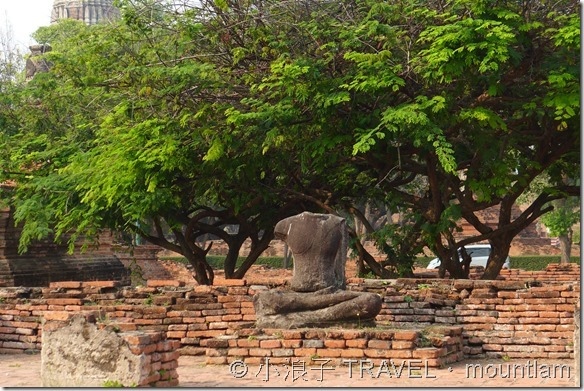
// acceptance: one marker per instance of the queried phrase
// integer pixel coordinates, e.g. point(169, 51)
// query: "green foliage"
point(564, 216)
point(441, 111)
point(112, 384)
point(481, 43)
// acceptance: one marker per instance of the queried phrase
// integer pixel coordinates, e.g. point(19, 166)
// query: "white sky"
point(23, 17)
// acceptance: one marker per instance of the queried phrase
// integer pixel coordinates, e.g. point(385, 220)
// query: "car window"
point(479, 252)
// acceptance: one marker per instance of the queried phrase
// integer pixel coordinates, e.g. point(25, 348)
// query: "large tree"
point(473, 99)
point(117, 134)
point(188, 119)
point(494, 88)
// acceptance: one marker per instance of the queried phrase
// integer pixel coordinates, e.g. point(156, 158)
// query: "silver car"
point(479, 254)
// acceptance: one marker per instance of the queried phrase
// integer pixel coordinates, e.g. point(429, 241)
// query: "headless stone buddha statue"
point(317, 295)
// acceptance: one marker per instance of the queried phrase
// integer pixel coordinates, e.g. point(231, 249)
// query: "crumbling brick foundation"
point(80, 352)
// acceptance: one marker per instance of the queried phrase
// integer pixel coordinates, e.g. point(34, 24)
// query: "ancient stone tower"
point(89, 11)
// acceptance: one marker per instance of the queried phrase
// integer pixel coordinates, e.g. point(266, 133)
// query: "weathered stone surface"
point(318, 243)
point(294, 309)
point(35, 63)
point(80, 355)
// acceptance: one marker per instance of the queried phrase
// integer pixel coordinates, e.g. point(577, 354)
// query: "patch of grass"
point(149, 300)
point(525, 262)
point(537, 262)
point(112, 384)
point(422, 261)
point(528, 262)
point(424, 342)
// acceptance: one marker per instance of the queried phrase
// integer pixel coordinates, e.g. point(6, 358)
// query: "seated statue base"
point(324, 308)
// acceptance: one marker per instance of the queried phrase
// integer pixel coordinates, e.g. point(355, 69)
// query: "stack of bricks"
point(207, 312)
point(528, 323)
point(420, 303)
point(160, 370)
point(554, 273)
point(499, 318)
point(20, 322)
point(435, 346)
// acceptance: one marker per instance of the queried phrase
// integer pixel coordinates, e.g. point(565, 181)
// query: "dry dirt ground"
point(258, 274)
point(24, 371)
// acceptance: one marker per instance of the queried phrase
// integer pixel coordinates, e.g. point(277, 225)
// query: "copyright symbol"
point(238, 369)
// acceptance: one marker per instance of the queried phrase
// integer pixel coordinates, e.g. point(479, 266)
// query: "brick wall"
point(554, 273)
point(46, 261)
point(498, 318)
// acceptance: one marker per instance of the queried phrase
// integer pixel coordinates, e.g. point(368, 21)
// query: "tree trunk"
point(371, 262)
point(449, 260)
point(466, 260)
point(234, 246)
point(360, 231)
point(197, 257)
point(203, 273)
point(499, 253)
point(451, 263)
point(257, 248)
point(565, 247)
point(360, 266)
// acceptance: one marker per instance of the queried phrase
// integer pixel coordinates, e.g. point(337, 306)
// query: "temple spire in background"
point(88, 11)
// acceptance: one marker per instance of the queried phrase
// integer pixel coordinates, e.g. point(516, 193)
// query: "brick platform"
point(434, 346)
